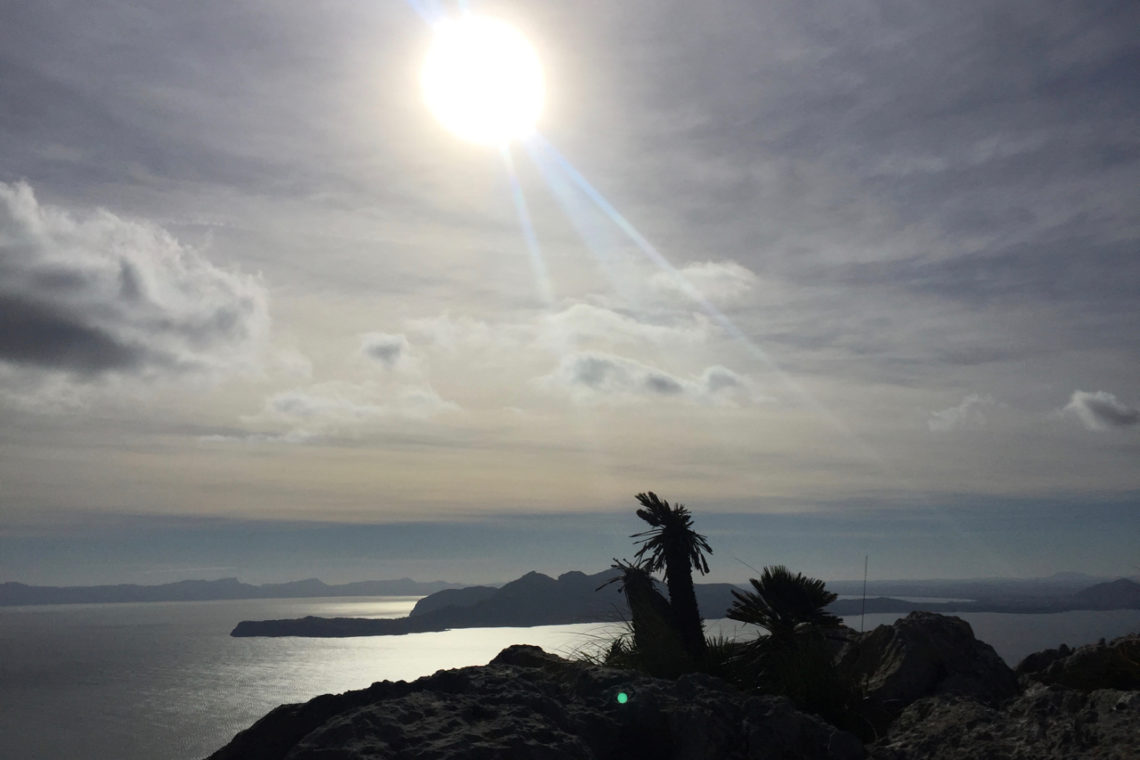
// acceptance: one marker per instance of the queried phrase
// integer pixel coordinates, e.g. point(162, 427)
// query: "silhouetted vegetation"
point(654, 643)
point(797, 657)
point(794, 655)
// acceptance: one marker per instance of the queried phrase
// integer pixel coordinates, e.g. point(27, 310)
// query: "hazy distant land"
point(14, 594)
point(537, 599)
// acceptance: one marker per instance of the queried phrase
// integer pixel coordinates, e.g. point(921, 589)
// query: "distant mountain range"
point(574, 597)
point(12, 594)
point(1059, 592)
point(1056, 585)
point(1121, 594)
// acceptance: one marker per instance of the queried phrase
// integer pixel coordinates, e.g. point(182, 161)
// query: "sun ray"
point(594, 231)
point(801, 394)
point(537, 262)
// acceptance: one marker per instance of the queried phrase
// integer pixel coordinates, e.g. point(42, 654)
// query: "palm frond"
point(671, 528)
point(782, 603)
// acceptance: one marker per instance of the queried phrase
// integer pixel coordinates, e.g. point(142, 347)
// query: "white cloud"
point(456, 334)
point(575, 324)
point(1101, 410)
point(721, 282)
point(39, 394)
point(972, 414)
point(339, 408)
point(100, 295)
point(583, 322)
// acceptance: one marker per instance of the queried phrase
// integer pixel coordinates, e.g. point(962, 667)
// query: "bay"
point(166, 680)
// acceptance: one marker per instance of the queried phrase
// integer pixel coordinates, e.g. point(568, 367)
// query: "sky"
point(848, 280)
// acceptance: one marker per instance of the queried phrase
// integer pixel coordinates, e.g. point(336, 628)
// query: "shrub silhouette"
point(784, 604)
point(796, 658)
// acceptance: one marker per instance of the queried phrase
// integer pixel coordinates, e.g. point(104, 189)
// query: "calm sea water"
point(135, 681)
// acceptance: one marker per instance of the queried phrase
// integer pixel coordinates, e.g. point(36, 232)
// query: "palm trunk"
point(683, 599)
point(658, 643)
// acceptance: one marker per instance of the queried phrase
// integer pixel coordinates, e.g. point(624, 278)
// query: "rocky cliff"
point(931, 691)
point(530, 705)
point(1069, 705)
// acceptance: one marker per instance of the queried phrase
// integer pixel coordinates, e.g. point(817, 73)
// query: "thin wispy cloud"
point(972, 414)
point(720, 282)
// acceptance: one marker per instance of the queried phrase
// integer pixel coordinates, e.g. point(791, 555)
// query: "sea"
point(165, 681)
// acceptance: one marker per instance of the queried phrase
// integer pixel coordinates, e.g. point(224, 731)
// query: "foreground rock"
point(1114, 665)
point(1043, 724)
point(530, 705)
point(923, 655)
point(1078, 705)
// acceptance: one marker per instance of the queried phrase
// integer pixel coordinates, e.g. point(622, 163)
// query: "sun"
point(482, 80)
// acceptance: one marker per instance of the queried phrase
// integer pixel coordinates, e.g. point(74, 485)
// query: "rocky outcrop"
point(1075, 708)
point(934, 692)
point(1043, 724)
point(922, 655)
point(1105, 665)
point(530, 705)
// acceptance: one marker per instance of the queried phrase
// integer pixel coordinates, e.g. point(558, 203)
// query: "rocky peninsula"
point(533, 599)
point(537, 599)
point(930, 691)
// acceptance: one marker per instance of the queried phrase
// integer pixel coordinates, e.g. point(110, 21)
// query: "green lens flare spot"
point(622, 697)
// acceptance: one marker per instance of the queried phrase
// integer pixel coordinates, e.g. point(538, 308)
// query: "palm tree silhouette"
point(784, 604)
point(672, 544)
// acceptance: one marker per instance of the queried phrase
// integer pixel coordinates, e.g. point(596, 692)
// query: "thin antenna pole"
point(863, 613)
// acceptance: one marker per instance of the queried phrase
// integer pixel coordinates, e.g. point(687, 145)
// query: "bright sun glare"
point(482, 80)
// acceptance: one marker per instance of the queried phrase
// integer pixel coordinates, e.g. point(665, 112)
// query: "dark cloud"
point(663, 384)
point(592, 371)
point(102, 294)
point(35, 335)
point(720, 378)
point(592, 376)
point(1101, 410)
point(384, 348)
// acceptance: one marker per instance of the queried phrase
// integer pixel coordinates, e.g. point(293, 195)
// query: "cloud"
point(971, 414)
point(338, 409)
point(385, 348)
point(343, 403)
point(594, 377)
point(597, 324)
point(718, 378)
point(464, 333)
point(47, 395)
point(578, 325)
point(101, 294)
point(721, 282)
point(1101, 411)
